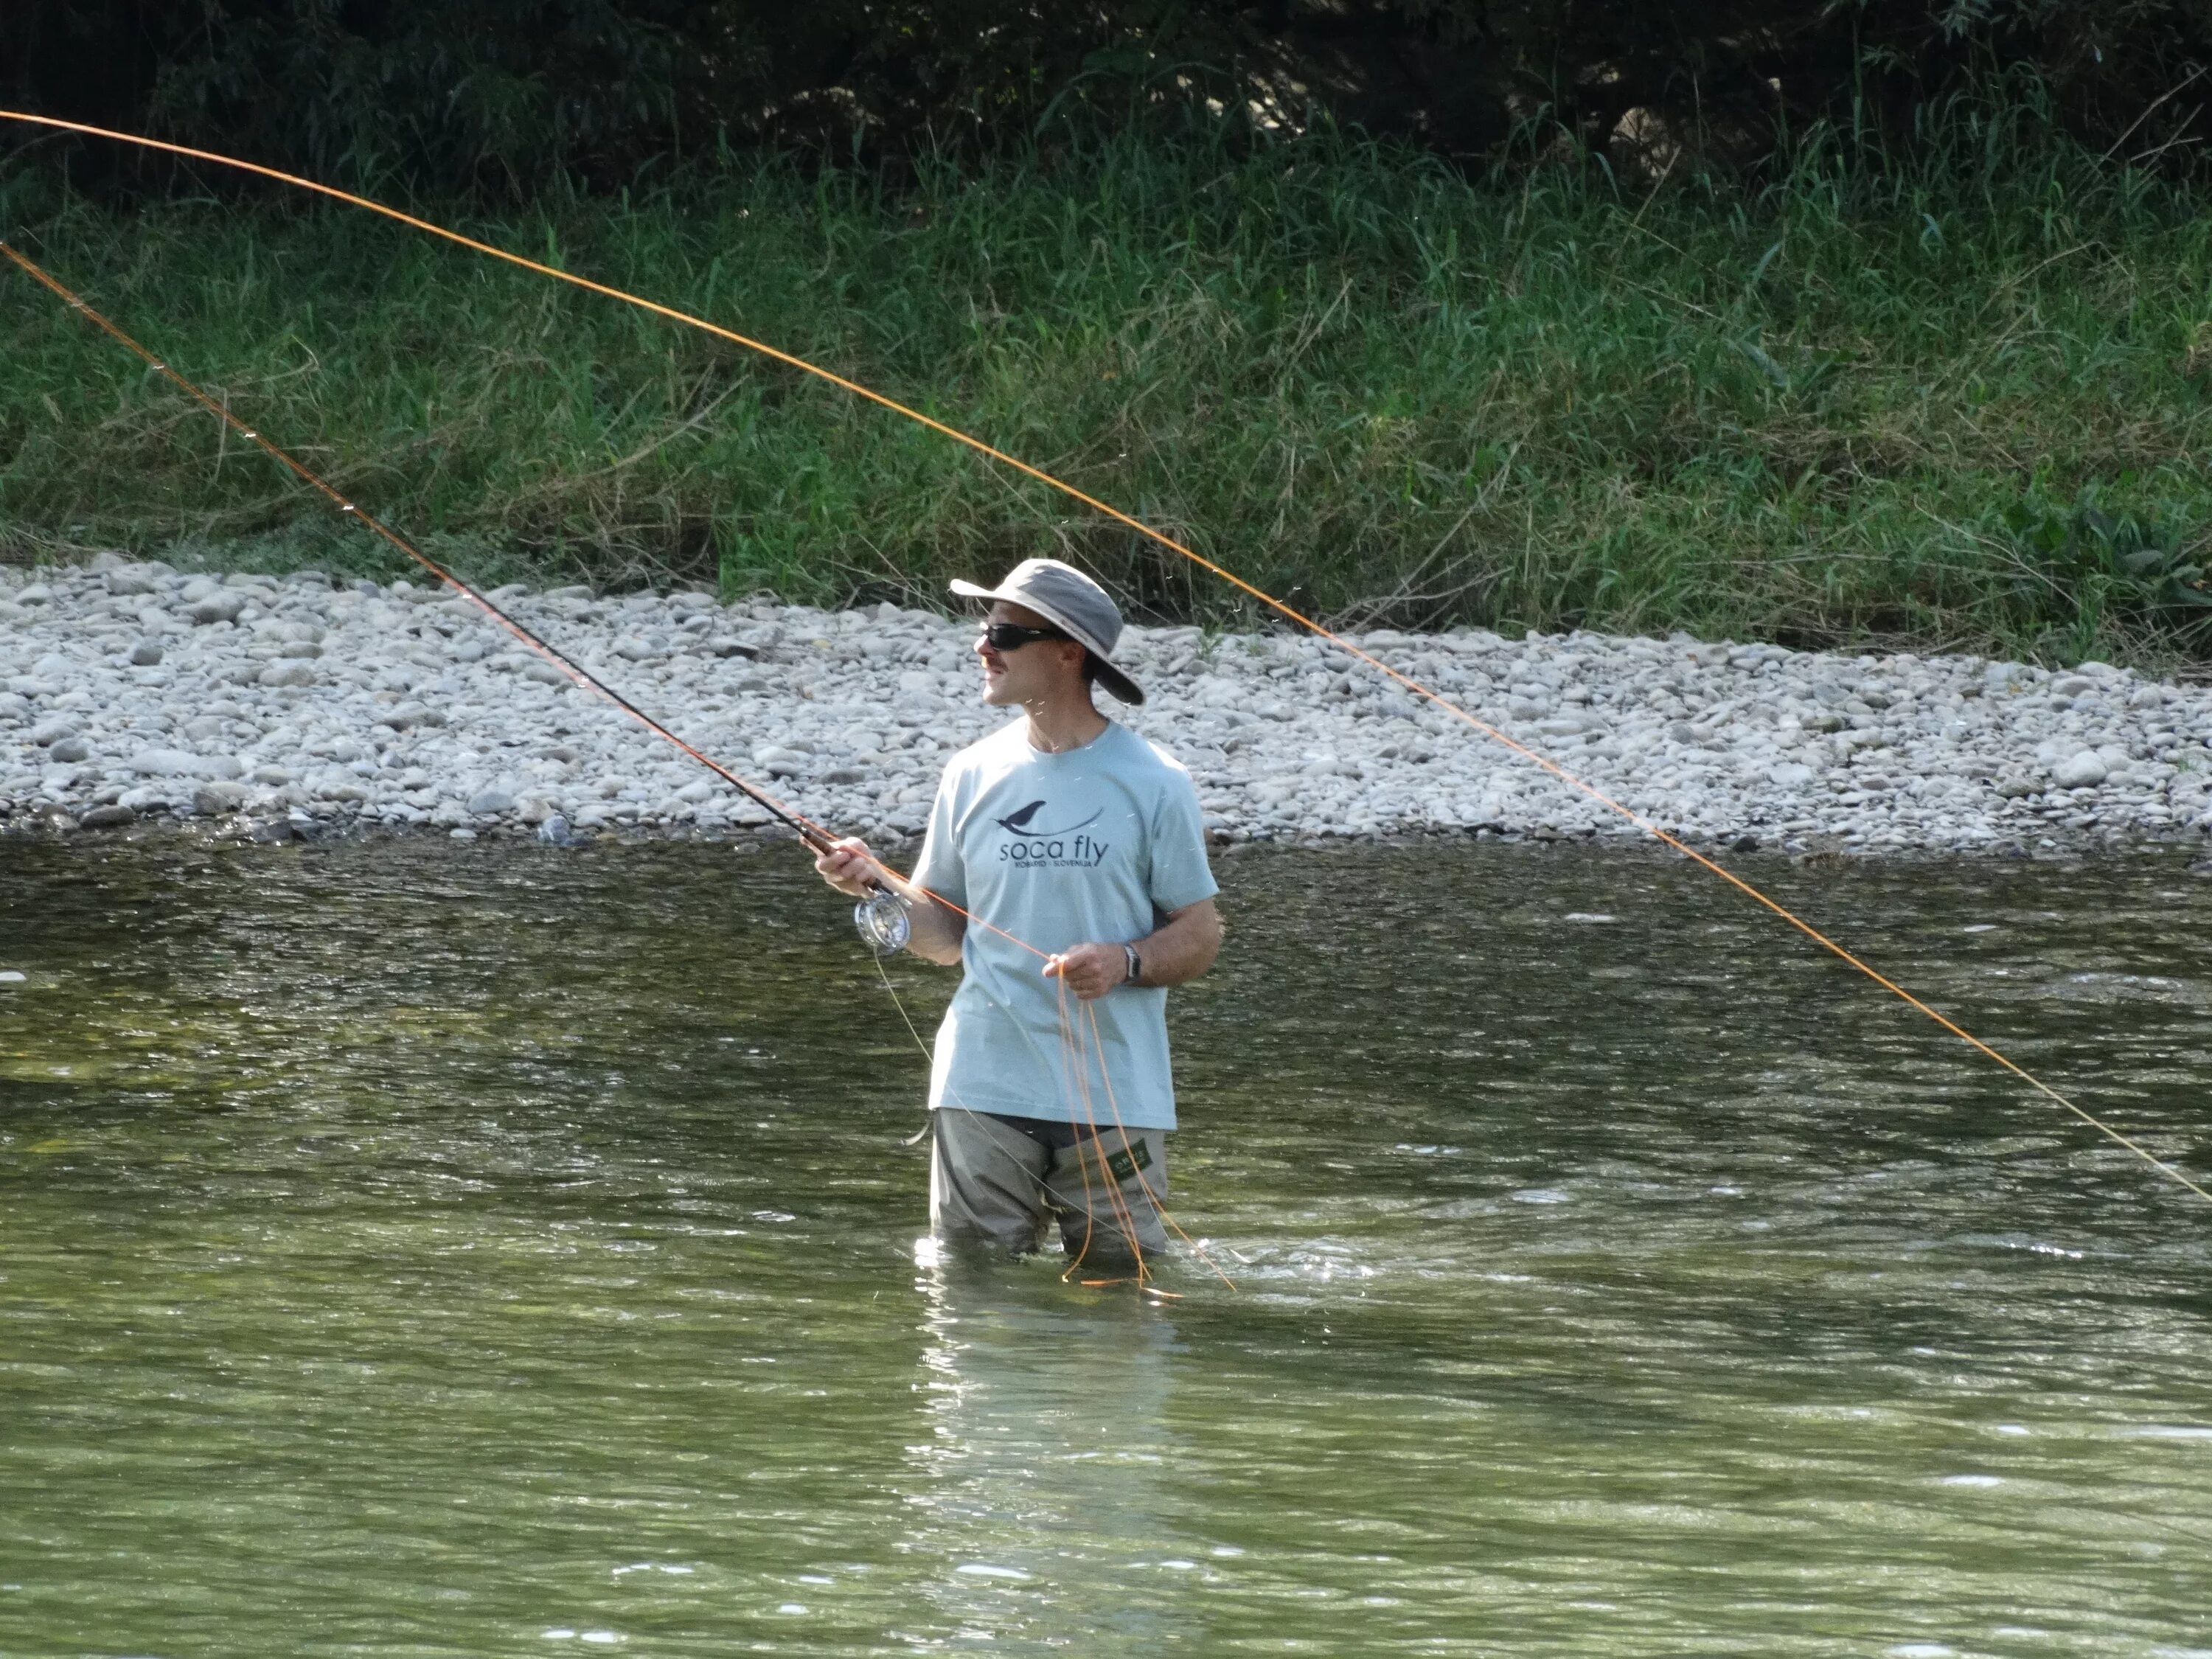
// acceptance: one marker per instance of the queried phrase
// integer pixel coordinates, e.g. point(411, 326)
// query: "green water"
point(414, 1250)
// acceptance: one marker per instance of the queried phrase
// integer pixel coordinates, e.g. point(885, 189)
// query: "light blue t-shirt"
point(1095, 844)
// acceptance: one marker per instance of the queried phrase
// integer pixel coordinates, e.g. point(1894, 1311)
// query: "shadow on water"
point(492, 1250)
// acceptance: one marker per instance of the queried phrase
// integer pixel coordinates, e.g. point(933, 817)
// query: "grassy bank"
point(1961, 406)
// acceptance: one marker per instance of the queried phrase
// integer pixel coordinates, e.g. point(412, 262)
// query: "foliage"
point(1954, 403)
point(2082, 570)
point(502, 97)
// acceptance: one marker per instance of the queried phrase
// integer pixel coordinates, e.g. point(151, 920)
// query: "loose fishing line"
point(1251, 591)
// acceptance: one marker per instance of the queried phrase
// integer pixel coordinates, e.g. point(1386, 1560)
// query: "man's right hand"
point(850, 868)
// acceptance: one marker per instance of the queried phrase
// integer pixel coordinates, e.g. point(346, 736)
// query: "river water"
point(414, 1249)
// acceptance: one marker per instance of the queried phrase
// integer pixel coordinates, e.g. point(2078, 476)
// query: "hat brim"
point(1118, 683)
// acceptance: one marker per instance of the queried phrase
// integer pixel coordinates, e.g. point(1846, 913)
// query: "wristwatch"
point(1136, 964)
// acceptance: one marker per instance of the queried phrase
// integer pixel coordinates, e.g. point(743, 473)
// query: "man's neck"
point(1064, 723)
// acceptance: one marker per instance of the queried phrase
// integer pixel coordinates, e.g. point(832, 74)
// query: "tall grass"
point(1955, 402)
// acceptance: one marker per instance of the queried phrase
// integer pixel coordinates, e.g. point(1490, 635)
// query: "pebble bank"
point(299, 706)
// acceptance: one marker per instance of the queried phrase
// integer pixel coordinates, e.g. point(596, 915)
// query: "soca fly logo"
point(1070, 848)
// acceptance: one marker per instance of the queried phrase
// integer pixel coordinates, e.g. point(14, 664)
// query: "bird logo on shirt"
point(1017, 822)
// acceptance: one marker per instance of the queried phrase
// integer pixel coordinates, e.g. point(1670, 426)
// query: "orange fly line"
point(1745, 888)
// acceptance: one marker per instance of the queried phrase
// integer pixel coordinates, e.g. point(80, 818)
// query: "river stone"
point(107, 817)
point(53, 666)
point(70, 750)
point(490, 803)
point(165, 764)
point(2085, 770)
point(147, 653)
point(225, 605)
point(288, 673)
point(52, 732)
point(214, 800)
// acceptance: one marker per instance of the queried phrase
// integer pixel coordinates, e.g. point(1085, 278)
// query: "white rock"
point(224, 606)
point(165, 764)
point(2084, 770)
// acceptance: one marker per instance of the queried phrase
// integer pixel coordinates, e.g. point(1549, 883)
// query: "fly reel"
point(885, 922)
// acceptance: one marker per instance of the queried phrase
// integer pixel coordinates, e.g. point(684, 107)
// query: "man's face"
point(1029, 674)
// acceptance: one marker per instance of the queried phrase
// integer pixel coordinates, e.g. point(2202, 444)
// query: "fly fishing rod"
point(883, 918)
point(1430, 694)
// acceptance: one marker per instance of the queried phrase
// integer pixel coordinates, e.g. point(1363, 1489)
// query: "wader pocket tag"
point(1137, 1155)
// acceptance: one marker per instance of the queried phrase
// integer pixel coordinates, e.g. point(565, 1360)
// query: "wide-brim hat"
point(1071, 602)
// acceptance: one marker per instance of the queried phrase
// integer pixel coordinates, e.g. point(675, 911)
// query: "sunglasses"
point(1012, 636)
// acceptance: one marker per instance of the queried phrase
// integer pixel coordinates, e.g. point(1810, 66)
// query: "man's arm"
point(854, 871)
point(1175, 953)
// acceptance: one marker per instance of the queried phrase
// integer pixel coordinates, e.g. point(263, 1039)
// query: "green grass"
point(1959, 402)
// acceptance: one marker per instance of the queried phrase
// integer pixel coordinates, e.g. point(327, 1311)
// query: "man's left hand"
point(1091, 970)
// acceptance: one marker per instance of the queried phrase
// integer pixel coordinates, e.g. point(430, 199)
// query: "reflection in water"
point(501, 1250)
point(1037, 1494)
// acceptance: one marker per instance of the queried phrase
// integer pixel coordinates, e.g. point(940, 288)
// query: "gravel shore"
point(298, 707)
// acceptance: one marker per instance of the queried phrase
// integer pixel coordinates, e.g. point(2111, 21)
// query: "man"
point(1066, 860)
